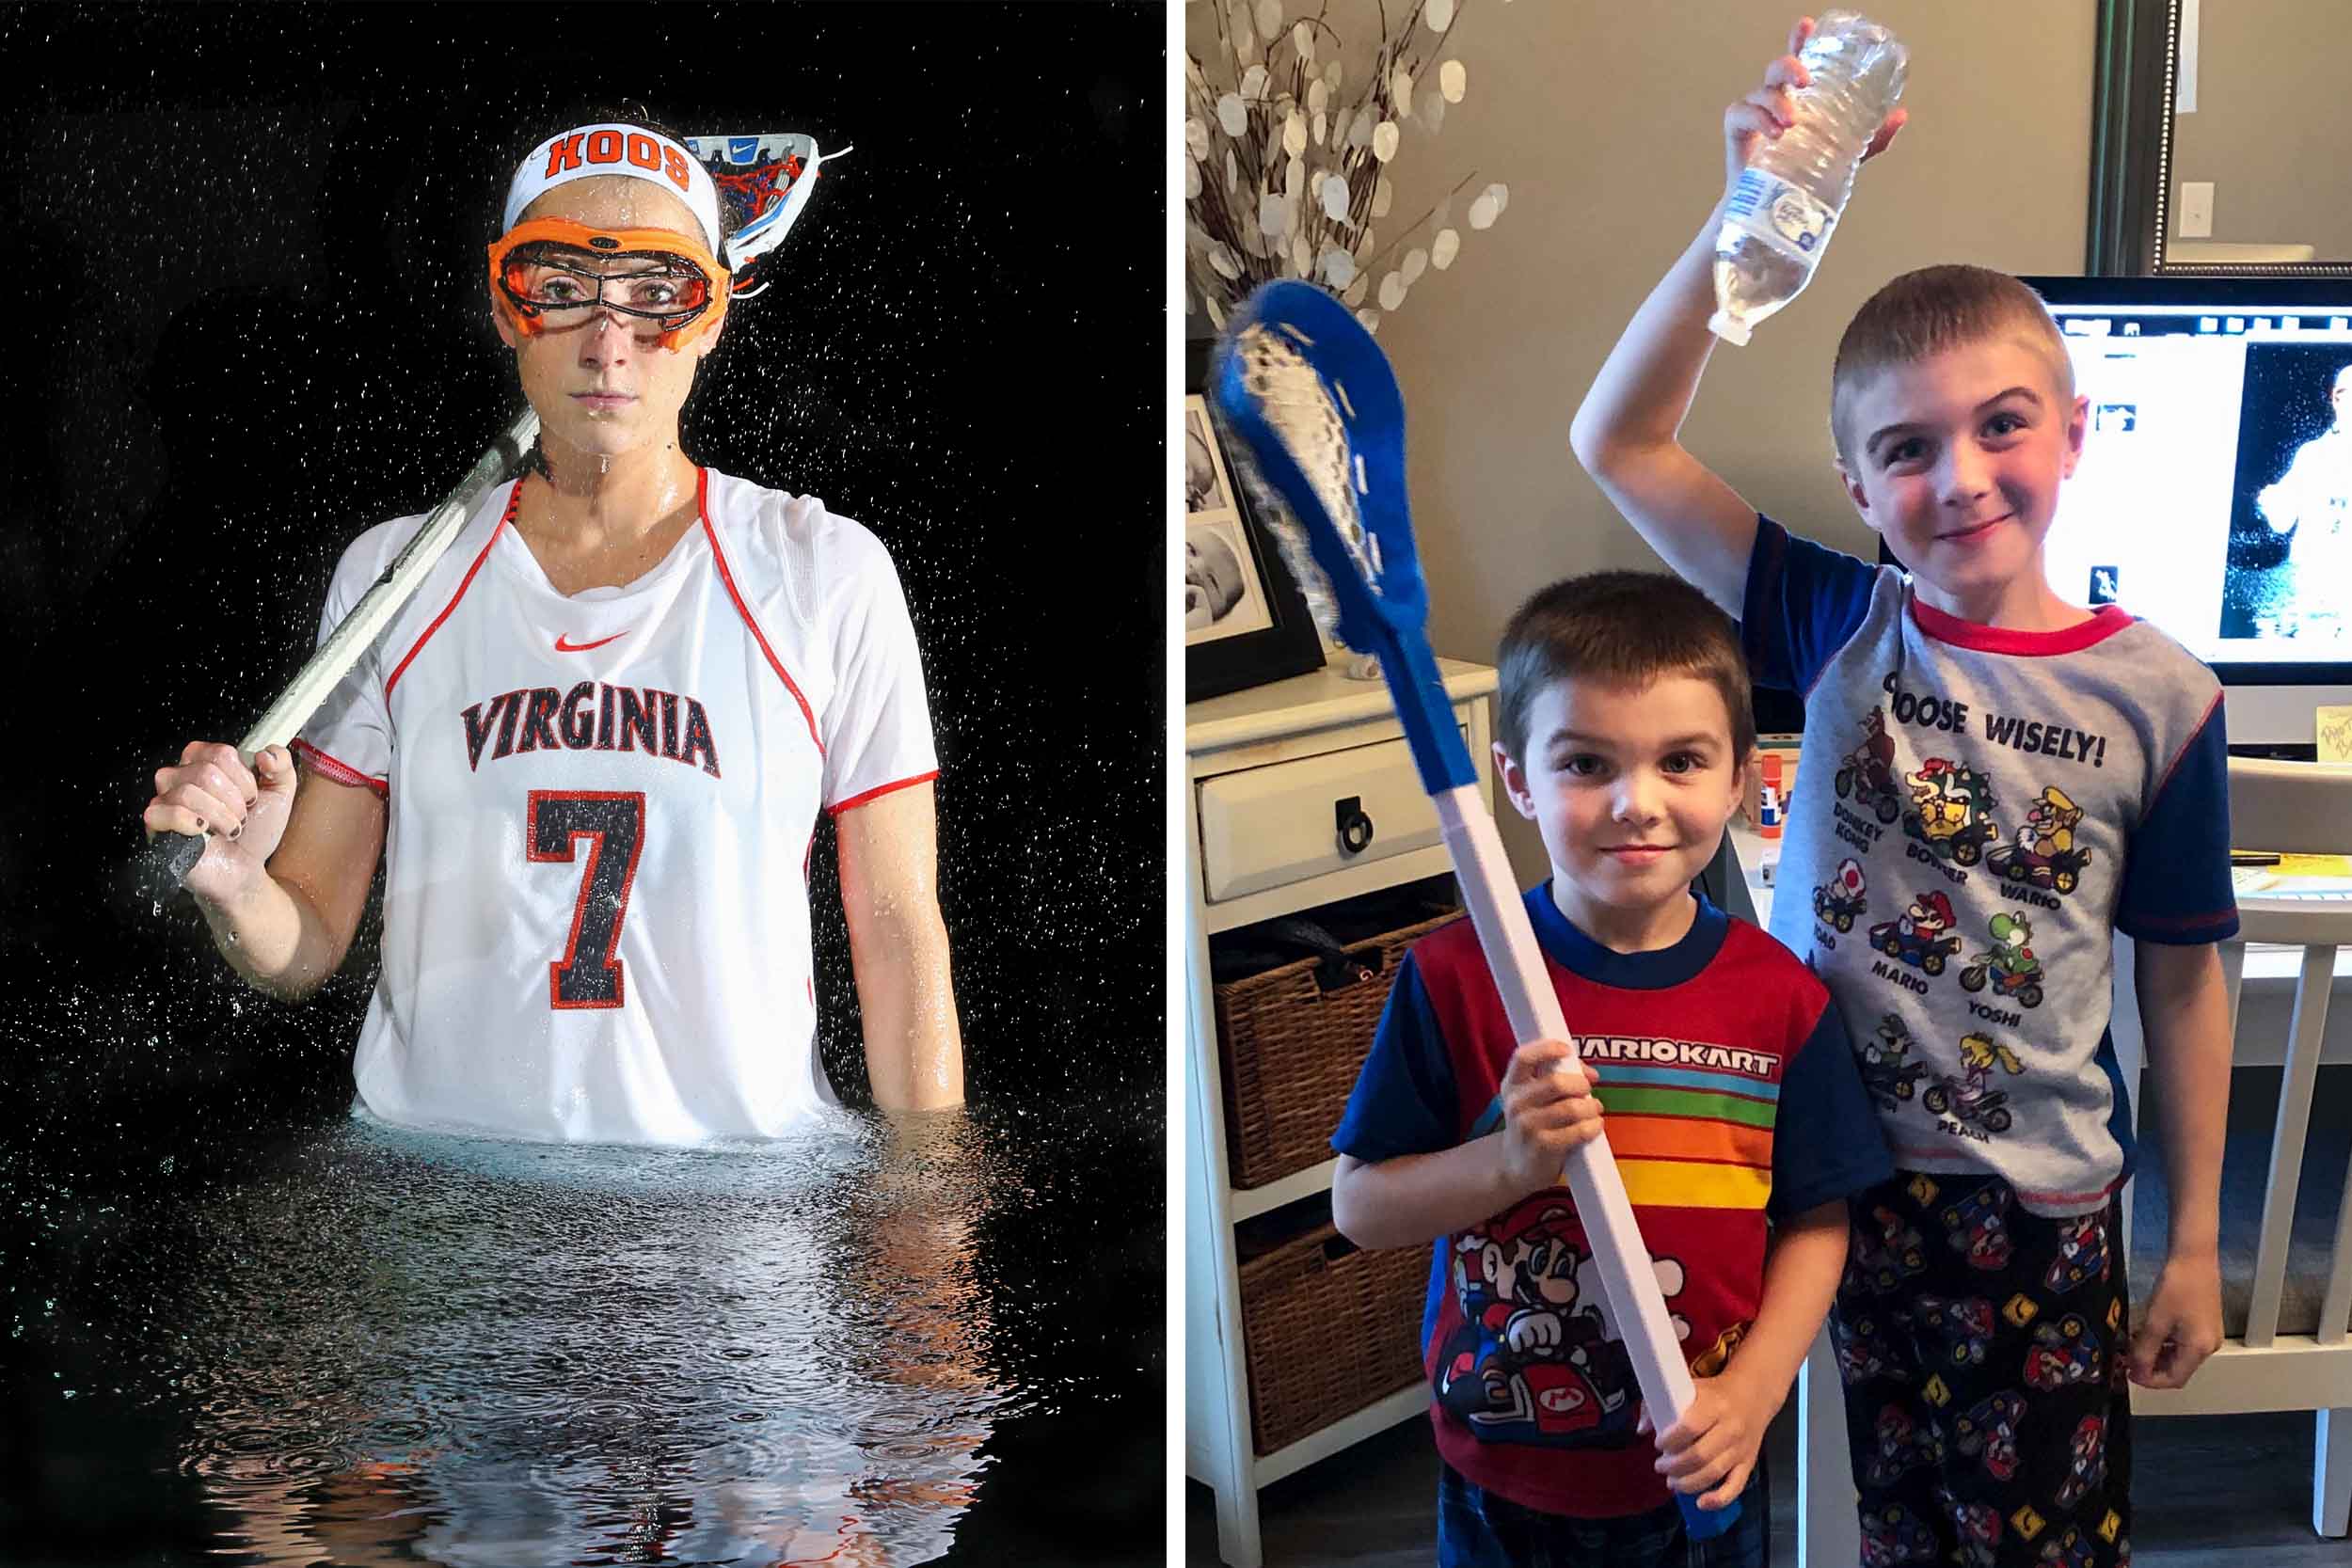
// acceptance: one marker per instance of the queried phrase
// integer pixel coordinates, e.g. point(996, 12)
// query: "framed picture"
point(1244, 623)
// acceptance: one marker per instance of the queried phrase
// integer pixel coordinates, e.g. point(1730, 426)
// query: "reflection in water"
point(409, 1347)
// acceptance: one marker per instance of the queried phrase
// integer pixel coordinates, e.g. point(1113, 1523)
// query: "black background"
point(247, 320)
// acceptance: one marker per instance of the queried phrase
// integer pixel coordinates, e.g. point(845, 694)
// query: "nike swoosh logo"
point(564, 647)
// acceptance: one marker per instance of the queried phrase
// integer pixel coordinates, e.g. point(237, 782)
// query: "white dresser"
point(1276, 780)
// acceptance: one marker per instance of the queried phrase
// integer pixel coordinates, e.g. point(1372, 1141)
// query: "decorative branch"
point(1284, 178)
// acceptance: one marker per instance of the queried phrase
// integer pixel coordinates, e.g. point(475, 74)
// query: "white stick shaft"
point(347, 641)
point(1534, 1009)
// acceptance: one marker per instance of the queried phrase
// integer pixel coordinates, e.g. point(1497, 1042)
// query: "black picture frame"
point(1289, 646)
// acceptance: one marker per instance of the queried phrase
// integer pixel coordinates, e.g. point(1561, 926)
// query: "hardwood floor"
point(2211, 1491)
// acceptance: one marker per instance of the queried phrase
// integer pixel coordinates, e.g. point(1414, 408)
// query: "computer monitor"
point(2214, 494)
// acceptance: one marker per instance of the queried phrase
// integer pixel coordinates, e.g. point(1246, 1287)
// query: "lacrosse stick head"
point(1320, 428)
point(769, 176)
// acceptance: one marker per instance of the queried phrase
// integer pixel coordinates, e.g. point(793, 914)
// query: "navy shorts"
point(1478, 1529)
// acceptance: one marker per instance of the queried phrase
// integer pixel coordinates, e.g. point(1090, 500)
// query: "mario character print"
point(1886, 1251)
point(1988, 1433)
point(2007, 966)
point(1962, 1330)
point(1969, 1103)
point(1889, 1074)
point(2062, 1353)
point(1902, 1445)
point(1951, 810)
point(2082, 1255)
point(1977, 1226)
point(2045, 855)
point(1532, 1361)
point(1895, 1535)
point(1921, 936)
point(1867, 774)
point(1839, 901)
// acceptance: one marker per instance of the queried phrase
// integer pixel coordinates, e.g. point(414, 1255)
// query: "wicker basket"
point(1329, 1329)
point(1289, 1053)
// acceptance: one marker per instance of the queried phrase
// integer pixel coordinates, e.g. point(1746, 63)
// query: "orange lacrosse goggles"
point(556, 273)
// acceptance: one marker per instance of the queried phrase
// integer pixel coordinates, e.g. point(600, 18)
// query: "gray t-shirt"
point(1980, 811)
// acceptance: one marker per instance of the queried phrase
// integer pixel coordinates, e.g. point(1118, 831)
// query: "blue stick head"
point(1321, 426)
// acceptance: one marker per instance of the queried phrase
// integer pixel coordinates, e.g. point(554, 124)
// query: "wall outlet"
point(2196, 210)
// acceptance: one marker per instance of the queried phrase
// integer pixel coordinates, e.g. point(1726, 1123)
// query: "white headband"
point(617, 149)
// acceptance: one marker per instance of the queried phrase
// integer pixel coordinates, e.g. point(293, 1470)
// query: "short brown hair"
point(1931, 311)
point(1621, 628)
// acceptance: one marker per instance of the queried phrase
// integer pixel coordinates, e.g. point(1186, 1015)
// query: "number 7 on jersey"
point(613, 823)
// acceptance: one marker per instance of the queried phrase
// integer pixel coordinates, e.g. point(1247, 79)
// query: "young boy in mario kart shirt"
point(1734, 1108)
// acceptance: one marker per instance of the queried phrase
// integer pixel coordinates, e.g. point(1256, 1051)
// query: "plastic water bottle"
point(1782, 209)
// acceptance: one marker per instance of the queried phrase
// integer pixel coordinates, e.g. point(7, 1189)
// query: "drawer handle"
point(1355, 827)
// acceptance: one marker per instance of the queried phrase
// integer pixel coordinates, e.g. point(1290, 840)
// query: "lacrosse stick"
point(1321, 423)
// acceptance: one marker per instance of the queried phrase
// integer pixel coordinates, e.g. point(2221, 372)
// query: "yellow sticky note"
point(2313, 865)
point(2335, 734)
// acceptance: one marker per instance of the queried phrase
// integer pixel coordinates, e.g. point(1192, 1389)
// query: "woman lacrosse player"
point(594, 746)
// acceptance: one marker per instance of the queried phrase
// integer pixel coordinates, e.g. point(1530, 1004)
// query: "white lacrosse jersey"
point(600, 811)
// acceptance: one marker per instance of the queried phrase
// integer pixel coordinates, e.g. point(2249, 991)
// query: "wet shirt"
point(1731, 1102)
point(600, 811)
point(1980, 812)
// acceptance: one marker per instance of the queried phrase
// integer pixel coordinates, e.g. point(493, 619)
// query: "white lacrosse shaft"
point(171, 856)
point(382, 601)
point(1533, 1006)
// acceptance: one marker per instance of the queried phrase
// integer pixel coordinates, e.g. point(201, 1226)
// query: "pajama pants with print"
point(1983, 1352)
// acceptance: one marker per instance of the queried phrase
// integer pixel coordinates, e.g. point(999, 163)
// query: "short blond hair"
point(1934, 310)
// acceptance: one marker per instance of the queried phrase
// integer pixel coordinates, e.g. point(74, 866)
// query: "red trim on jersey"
point(340, 772)
point(513, 501)
point(856, 800)
point(702, 505)
point(2105, 622)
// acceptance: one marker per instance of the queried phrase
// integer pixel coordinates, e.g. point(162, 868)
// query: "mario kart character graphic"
point(1988, 1433)
point(1921, 936)
point(1884, 1261)
point(1902, 1445)
point(2082, 1255)
point(1839, 903)
point(2009, 965)
point(1971, 1099)
point(1951, 810)
point(1533, 1359)
point(2044, 855)
point(1980, 1527)
point(1863, 1348)
point(1895, 1535)
point(1866, 775)
point(1887, 1072)
point(1978, 1225)
point(1964, 1327)
point(2090, 1466)
point(2071, 1550)
point(2062, 1353)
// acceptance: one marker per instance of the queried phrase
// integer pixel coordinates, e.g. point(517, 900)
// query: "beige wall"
point(2271, 123)
point(1605, 122)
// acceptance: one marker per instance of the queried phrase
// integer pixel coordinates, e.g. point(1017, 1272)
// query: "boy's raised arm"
point(1627, 432)
point(1627, 435)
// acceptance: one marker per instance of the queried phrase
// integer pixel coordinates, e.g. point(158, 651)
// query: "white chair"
point(2287, 1300)
point(2287, 1297)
